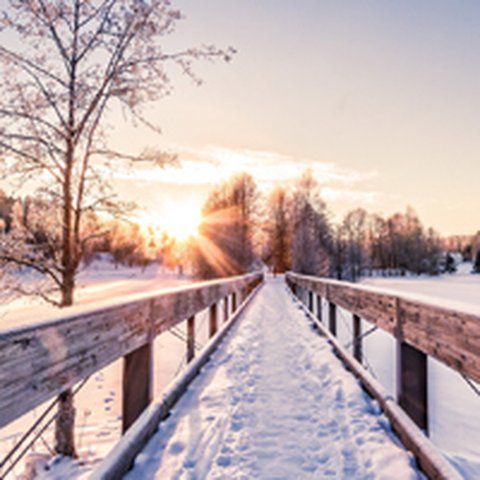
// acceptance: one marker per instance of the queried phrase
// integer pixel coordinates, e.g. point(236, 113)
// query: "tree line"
point(291, 229)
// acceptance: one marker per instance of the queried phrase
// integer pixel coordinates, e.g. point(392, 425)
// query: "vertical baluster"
point(357, 338)
point(191, 338)
point(213, 320)
point(332, 318)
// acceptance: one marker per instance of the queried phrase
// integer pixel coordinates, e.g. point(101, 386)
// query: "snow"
point(97, 285)
point(98, 404)
point(454, 408)
point(275, 402)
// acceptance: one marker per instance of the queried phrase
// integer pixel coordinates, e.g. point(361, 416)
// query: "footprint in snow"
point(177, 448)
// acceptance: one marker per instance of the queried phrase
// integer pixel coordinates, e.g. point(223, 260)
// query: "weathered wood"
point(319, 307)
point(120, 458)
point(137, 384)
point(332, 318)
point(225, 309)
point(234, 302)
point(357, 338)
point(212, 320)
point(41, 361)
point(412, 391)
point(450, 336)
point(190, 338)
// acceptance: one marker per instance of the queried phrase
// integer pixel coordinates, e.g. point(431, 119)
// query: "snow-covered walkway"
point(274, 403)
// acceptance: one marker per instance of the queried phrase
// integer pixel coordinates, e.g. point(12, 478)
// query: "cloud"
point(212, 164)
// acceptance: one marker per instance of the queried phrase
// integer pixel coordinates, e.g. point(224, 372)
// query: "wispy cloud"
point(211, 164)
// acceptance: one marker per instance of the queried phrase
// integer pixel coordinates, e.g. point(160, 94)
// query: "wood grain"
point(39, 362)
point(450, 336)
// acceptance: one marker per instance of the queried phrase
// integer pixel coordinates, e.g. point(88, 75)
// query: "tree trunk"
point(65, 421)
point(64, 425)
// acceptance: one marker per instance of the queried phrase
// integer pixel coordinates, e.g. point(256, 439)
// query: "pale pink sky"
point(381, 99)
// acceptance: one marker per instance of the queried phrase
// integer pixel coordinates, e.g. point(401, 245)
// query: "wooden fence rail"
point(41, 361)
point(421, 329)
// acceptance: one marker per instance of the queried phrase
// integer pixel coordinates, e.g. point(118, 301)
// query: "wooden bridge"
point(38, 363)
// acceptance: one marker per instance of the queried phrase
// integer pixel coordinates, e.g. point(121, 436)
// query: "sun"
point(179, 221)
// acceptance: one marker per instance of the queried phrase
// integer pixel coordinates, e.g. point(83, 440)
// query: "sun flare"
point(180, 221)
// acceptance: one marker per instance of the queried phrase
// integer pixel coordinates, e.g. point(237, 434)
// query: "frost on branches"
point(64, 64)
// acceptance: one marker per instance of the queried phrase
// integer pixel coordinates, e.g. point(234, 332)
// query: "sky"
point(381, 99)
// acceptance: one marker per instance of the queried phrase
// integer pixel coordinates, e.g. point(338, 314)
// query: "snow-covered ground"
point(98, 404)
point(454, 407)
point(100, 283)
point(274, 402)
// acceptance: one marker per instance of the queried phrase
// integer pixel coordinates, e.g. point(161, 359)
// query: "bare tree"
point(225, 245)
point(311, 236)
point(64, 66)
point(277, 230)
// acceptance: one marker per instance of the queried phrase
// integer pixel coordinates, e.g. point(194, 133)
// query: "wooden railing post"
point(357, 338)
point(412, 388)
point(137, 384)
point(332, 318)
point(190, 338)
point(310, 300)
point(319, 307)
point(234, 302)
point(225, 309)
point(212, 330)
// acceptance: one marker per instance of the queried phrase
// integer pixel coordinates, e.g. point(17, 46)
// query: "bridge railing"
point(421, 329)
point(41, 361)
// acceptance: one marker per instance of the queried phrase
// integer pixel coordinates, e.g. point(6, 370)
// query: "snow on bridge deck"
point(274, 402)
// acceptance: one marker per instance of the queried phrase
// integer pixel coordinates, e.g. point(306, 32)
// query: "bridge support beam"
point(137, 384)
point(357, 338)
point(212, 330)
point(190, 338)
point(412, 388)
point(332, 318)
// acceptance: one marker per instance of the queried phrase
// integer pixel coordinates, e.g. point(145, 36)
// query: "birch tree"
point(65, 66)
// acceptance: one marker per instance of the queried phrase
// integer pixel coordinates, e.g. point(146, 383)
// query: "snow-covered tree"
point(64, 66)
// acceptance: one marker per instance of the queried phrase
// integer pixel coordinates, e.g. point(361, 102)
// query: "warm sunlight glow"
point(180, 221)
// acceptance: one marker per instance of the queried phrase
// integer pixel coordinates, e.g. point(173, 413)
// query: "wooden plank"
point(190, 338)
point(39, 362)
point(450, 336)
point(212, 320)
point(137, 384)
point(319, 307)
point(357, 338)
point(412, 391)
point(332, 318)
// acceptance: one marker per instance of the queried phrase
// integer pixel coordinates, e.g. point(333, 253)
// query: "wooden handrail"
point(39, 362)
point(451, 336)
point(420, 329)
